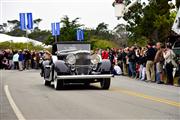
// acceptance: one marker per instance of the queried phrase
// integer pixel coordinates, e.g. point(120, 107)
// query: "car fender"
point(61, 67)
point(105, 66)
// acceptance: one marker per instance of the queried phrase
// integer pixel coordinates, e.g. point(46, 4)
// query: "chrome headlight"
point(71, 59)
point(95, 59)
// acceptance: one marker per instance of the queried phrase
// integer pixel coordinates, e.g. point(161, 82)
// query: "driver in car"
point(46, 57)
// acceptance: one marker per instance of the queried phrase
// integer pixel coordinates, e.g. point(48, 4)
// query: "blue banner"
point(30, 21)
point(77, 34)
point(57, 28)
point(22, 21)
point(53, 26)
point(80, 35)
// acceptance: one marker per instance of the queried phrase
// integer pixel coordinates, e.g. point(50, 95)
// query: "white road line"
point(13, 105)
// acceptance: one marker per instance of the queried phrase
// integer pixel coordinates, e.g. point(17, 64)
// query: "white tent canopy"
point(4, 37)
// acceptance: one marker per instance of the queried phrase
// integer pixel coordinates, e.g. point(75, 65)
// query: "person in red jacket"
point(105, 54)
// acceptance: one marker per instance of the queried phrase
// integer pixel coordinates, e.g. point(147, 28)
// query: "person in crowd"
point(8, 54)
point(117, 70)
point(138, 56)
point(111, 55)
point(120, 58)
point(105, 54)
point(1, 59)
point(27, 59)
point(124, 59)
point(97, 52)
point(10, 57)
point(139, 64)
point(142, 62)
point(169, 56)
point(159, 61)
point(33, 59)
point(150, 55)
point(21, 60)
point(5, 64)
point(37, 60)
point(16, 60)
point(132, 61)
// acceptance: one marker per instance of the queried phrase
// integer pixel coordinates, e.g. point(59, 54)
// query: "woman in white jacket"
point(169, 56)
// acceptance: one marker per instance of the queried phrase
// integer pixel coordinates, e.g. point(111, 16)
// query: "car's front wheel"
point(105, 83)
point(58, 84)
point(47, 83)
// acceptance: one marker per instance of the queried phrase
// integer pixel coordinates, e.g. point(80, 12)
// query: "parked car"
point(72, 62)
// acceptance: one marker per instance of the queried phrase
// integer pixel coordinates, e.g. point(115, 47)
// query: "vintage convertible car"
point(72, 62)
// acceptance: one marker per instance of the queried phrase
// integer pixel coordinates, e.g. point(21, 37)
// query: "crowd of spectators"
point(151, 63)
point(20, 60)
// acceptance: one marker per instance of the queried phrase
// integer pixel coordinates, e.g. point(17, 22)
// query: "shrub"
point(20, 46)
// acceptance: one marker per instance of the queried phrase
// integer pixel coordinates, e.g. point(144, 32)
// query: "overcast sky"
point(91, 12)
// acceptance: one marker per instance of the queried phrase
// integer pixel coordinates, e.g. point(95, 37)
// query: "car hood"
point(74, 52)
point(80, 51)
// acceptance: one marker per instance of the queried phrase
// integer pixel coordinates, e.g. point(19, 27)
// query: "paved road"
point(127, 99)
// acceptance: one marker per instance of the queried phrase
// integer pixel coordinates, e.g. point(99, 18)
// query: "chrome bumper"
point(71, 77)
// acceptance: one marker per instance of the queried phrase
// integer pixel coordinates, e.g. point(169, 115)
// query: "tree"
point(40, 35)
point(14, 26)
point(36, 24)
point(152, 21)
point(120, 34)
point(69, 28)
point(102, 27)
point(14, 23)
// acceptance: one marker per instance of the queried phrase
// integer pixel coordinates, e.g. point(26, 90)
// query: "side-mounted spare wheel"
point(105, 83)
point(47, 81)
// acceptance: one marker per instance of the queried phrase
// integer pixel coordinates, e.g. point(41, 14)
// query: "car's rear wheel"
point(105, 83)
point(58, 84)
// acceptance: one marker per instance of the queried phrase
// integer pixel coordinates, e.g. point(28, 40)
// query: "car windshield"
point(72, 47)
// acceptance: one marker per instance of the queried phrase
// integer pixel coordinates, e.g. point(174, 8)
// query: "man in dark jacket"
point(21, 60)
point(1, 59)
point(124, 59)
point(150, 55)
point(27, 58)
point(132, 61)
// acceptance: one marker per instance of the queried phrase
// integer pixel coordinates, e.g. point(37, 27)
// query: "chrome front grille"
point(83, 59)
point(83, 62)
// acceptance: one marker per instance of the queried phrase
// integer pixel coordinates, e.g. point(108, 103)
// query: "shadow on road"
point(77, 87)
